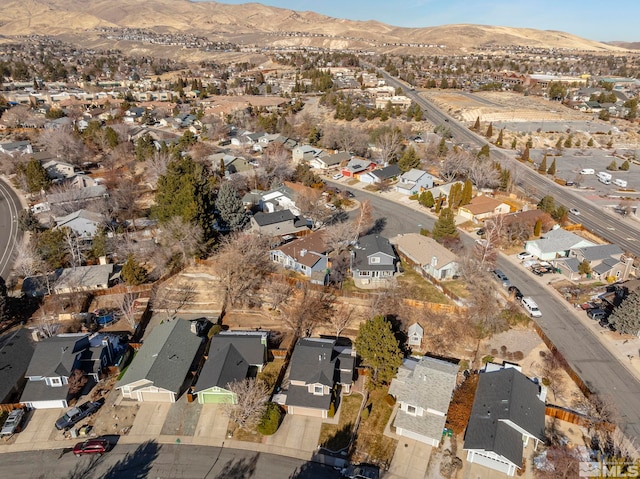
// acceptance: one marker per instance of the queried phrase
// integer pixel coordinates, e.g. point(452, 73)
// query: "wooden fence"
point(574, 417)
point(10, 407)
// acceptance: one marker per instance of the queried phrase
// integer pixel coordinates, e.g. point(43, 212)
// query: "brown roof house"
point(427, 255)
point(483, 207)
point(306, 255)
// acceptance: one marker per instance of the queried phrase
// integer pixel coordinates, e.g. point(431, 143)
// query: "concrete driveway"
point(410, 460)
point(297, 432)
point(149, 420)
point(212, 425)
point(40, 426)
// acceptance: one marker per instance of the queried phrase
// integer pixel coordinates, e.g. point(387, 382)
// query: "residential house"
point(356, 166)
point(84, 278)
point(415, 334)
point(380, 175)
point(605, 261)
point(427, 256)
point(423, 388)
point(373, 259)
point(16, 351)
point(72, 196)
point(280, 198)
point(483, 207)
point(307, 255)
point(83, 223)
point(233, 356)
point(324, 162)
point(55, 358)
point(555, 243)
point(507, 412)
point(305, 153)
point(19, 147)
point(232, 163)
point(317, 371)
point(413, 182)
point(59, 170)
point(158, 371)
point(279, 223)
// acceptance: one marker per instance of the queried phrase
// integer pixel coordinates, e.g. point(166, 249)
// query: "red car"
point(91, 446)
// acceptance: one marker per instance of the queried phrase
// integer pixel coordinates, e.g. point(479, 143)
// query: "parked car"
point(361, 471)
point(92, 446)
point(78, 413)
point(502, 278)
point(597, 314)
point(480, 232)
point(13, 423)
point(531, 307)
point(515, 292)
point(524, 255)
point(589, 305)
point(604, 323)
point(338, 176)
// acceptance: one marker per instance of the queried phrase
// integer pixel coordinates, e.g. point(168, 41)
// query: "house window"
point(55, 382)
point(318, 390)
point(411, 410)
point(365, 273)
point(374, 260)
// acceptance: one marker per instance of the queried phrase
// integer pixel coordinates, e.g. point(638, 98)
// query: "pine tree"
point(525, 154)
point(625, 166)
point(36, 175)
point(467, 192)
point(379, 349)
point(500, 139)
point(455, 195)
point(547, 204)
point(133, 273)
point(613, 166)
point(232, 214)
point(543, 165)
point(568, 143)
point(559, 144)
point(590, 142)
point(442, 147)
point(514, 144)
point(409, 160)
point(489, 132)
point(537, 229)
point(484, 152)
point(426, 199)
point(626, 317)
point(552, 169)
point(445, 226)
point(476, 125)
point(529, 143)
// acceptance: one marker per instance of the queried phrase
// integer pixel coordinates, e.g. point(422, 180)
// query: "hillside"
point(253, 23)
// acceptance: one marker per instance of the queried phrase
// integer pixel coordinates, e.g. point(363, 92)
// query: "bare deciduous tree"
point(28, 262)
point(74, 247)
point(483, 175)
point(171, 300)
point(157, 167)
point(65, 144)
point(182, 238)
point(306, 310)
point(388, 144)
point(276, 163)
point(77, 381)
point(312, 205)
point(337, 235)
point(341, 318)
point(251, 398)
point(240, 282)
point(278, 291)
point(128, 309)
point(364, 221)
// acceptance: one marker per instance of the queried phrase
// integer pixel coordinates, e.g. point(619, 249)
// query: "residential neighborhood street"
point(10, 206)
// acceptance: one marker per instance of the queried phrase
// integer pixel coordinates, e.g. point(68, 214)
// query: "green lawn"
point(370, 440)
point(336, 436)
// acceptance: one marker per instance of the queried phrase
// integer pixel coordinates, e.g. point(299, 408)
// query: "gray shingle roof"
point(224, 366)
point(387, 172)
point(558, 240)
point(369, 245)
point(251, 345)
point(600, 251)
point(16, 350)
point(264, 219)
point(56, 356)
point(39, 391)
point(165, 356)
point(504, 395)
point(300, 396)
point(311, 357)
point(427, 383)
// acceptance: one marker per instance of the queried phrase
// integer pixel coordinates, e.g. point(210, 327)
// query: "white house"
point(414, 182)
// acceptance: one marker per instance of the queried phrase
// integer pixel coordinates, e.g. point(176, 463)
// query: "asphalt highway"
point(9, 233)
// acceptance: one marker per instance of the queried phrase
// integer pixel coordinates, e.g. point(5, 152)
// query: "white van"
point(604, 177)
point(531, 307)
point(620, 183)
point(587, 171)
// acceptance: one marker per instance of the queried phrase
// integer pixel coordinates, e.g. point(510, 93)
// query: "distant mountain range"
point(253, 23)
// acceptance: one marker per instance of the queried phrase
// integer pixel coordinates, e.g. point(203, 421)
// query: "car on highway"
point(598, 314)
point(78, 413)
point(574, 211)
point(524, 255)
point(338, 176)
point(96, 446)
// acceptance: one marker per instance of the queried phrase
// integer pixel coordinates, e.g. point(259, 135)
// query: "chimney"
point(303, 252)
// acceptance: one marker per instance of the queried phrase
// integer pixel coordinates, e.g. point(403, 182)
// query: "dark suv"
point(78, 413)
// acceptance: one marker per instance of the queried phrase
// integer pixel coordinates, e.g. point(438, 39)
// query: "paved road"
point(596, 219)
point(597, 367)
point(152, 460)
point(9, 233)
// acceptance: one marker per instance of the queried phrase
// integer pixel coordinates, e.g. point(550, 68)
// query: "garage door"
point(160, 396)
point(57, 404)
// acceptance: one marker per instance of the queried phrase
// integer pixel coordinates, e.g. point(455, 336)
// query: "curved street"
point(10, 208)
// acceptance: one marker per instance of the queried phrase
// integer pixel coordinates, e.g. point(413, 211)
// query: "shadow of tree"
point(239, 469)
point(377, 227)
point(311, 470)
point(84, 469)
point(340, 439)
point(134, 465)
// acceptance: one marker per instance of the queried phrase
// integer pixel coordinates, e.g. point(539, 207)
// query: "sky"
point(595, 20)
